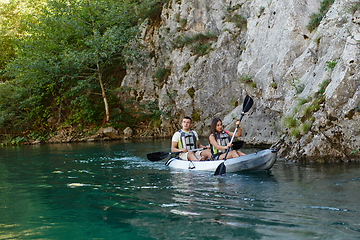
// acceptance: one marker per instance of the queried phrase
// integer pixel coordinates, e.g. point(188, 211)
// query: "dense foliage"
point(14, 18)
point(64, 61)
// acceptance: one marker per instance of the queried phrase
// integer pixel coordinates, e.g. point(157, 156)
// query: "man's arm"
point(174, 143)
point(174, 148)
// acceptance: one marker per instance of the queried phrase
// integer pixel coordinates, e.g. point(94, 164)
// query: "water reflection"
point(219, 201)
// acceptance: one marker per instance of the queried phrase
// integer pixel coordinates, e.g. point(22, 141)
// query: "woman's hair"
point(213, 125)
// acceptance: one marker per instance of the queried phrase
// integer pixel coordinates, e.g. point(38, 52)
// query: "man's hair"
point(186, 117)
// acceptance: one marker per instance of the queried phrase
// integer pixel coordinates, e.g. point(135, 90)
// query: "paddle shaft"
point(192, 150)
point(232, 138)
point(158, 156)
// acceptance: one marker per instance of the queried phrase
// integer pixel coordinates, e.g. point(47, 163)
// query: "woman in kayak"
point(219, 140)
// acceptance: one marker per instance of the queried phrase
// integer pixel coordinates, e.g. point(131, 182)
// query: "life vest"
point(187, 140)
point(222, 139)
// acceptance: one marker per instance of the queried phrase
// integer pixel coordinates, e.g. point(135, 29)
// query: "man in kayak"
point(186, 140)
point(220, 140)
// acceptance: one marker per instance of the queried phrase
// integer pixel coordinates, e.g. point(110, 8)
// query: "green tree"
point(67, 61)
point(14, 17)
point(69, 52)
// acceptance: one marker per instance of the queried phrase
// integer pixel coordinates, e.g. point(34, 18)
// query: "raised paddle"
point(158, 156)
point(248, 102)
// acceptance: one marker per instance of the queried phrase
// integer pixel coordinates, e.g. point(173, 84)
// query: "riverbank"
point(69, 134)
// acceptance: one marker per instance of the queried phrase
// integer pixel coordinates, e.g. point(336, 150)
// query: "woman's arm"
point(238, 132)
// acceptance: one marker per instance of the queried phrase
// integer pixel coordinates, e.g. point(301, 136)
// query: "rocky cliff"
point(207, 55)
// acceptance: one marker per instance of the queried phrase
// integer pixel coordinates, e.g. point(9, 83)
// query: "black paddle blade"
point(237, 144)
point(248, 102)
point(157, 156)
point(221, 169)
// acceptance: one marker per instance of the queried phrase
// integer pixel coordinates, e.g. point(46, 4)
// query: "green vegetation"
point(15, 16)
point(247, 79)
point(302, 101)
point(200, 43)
point(168, 97)
point(162, 74)
point(191, 92)
point(300, 120)
point(237, 19)
point(355, 151)
point(155, 114)
point(183, 22)
point(299, 87)
point(65, 59)
point(195, 116)
point(201, 49)
point(186, 67)
point(290, 122)
point(330, 65)
point(322, 87)
point(273, 85)
point(315, 18)
point(131, 113)
point(234, 8)
point(234, 103)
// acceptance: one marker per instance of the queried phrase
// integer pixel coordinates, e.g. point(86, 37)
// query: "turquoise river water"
point(109, 190)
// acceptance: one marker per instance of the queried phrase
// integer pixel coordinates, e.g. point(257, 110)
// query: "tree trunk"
point(103, 93)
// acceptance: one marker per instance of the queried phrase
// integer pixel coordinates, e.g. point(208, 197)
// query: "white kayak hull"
point(258, 161)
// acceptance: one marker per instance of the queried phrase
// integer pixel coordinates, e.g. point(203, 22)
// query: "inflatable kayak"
point(258, 161)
